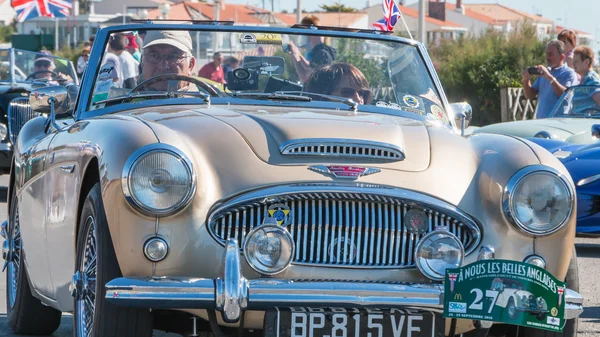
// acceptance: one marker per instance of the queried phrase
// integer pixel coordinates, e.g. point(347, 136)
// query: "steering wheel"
point(176, 77)
point(55, 76)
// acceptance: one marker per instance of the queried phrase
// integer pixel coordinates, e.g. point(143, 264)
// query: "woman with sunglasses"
point(342, 80)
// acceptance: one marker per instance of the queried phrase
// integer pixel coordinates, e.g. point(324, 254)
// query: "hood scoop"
point(342, 148)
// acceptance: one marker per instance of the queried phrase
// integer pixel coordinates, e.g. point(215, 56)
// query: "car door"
point(32, 215)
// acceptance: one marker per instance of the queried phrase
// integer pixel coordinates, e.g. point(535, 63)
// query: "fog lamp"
point(156, 249)
point(3, 132)
point(269, 249)
point(536, 261)
point(437, 251)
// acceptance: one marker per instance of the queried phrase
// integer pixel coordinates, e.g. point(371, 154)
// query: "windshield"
point(267, 66)
point(579, 101)
point(31, 66)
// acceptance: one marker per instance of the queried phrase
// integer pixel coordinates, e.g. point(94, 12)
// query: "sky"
point(576, 14)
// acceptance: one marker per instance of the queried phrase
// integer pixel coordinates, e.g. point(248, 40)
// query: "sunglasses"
point(45, 64)
point(351, 92)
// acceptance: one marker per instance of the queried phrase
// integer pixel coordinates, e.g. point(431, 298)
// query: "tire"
point(570, 329)
point(26, 315)
point(94, 240)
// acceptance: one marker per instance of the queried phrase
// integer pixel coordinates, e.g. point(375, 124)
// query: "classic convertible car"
point(22, 71)
point(326, 208)
point(515, 299)
point(571, 121)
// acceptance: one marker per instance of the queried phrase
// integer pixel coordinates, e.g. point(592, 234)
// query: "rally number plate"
point(340, 322)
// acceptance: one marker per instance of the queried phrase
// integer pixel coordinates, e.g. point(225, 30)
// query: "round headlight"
point(269, 249)
point(158, 180)
point(437, 251)
point(538, 200)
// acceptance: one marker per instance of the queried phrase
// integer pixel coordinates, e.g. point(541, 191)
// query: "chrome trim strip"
point(157, 147)
point(365, 192)
point(509, 190)
point(232, 293)
point(336, 147)
point(5, 147)
point(68, 168)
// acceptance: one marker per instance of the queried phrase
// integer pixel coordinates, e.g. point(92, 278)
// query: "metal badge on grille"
point(280, 213)
point(345, 172)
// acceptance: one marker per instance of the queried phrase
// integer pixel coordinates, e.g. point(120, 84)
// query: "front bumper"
point(231, 293)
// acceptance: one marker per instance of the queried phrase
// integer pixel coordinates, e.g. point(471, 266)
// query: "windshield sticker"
point(260, 38)
point(439, 113)
point(102, 89)
point(411, 101)
point(430, 95)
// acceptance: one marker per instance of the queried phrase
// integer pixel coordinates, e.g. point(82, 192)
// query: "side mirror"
point(596, 131)
point(463, 113)
point(51, 100)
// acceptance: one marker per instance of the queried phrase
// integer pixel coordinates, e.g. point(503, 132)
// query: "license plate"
point(351, 322)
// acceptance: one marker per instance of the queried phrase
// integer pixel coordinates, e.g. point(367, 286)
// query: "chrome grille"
point(19, 113)
point(342, 148)
point(345, 228)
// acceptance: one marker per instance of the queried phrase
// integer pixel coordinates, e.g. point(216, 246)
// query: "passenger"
point(342, 80)
point(319, 53)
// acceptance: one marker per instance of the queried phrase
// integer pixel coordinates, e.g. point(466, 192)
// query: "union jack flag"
point(391, 14)
point(29, 9)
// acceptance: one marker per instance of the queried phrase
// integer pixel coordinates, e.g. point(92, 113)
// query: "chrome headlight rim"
point(513, 183)
point(143, 152)
point(426, 269)
point(289, 237)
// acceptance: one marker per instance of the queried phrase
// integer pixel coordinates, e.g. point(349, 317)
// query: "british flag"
point(29, 9)
point(391, 14)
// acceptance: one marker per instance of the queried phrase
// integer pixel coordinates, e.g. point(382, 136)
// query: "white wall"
point(7, 13)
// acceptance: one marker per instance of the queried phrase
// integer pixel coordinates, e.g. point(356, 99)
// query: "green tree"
point(475, 69)
point(6, 32)
point(338, 7)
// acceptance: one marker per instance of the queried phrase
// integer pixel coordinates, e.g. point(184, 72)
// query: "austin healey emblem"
point(346, 172)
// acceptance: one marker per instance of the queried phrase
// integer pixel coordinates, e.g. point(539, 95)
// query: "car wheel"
point(96, 264)
point(26, 315)
point(570, 329)
point(511, 309)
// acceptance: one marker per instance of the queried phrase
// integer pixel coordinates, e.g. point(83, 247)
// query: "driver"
point(43, 68)
point(168, 52)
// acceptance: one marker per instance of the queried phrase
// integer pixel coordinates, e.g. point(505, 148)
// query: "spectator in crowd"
point(133, 48)
point(231, 63)
point(583, 61)
point(83, 59)
point(129, 66)
point(214, 70)
point(570, 40)
point(92, 38)
point(552, 81)
point(319, 53)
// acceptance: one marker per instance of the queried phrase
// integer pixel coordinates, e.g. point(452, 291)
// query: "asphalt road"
point(588, 251)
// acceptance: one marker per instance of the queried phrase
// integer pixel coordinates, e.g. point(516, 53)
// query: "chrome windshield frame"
point(83, 103)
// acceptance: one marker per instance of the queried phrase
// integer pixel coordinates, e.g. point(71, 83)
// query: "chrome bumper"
point(231, 293)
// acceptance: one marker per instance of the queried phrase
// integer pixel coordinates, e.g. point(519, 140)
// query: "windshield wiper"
point(348, 101)
point(274, 95)
point(170, 94)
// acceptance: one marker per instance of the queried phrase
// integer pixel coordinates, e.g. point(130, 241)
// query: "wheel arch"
point(90, 178)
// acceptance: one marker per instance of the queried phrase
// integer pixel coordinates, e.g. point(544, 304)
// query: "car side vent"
point(345, 148)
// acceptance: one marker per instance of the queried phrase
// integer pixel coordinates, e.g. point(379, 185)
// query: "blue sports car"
point(583, 163)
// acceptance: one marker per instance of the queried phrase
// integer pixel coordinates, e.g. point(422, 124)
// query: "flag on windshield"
point(391, 14)
point(29, 9)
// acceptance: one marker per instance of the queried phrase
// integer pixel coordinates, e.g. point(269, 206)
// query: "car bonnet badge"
point(346, 172)
point(280, 213)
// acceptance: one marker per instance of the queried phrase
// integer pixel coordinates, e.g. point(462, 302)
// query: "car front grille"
point(345, 227)
point(19, 113)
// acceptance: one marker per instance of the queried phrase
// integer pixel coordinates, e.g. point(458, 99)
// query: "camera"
point(534, 71)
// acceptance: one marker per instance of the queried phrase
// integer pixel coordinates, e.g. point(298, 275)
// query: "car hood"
point(266, 129)
point(559, 128)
